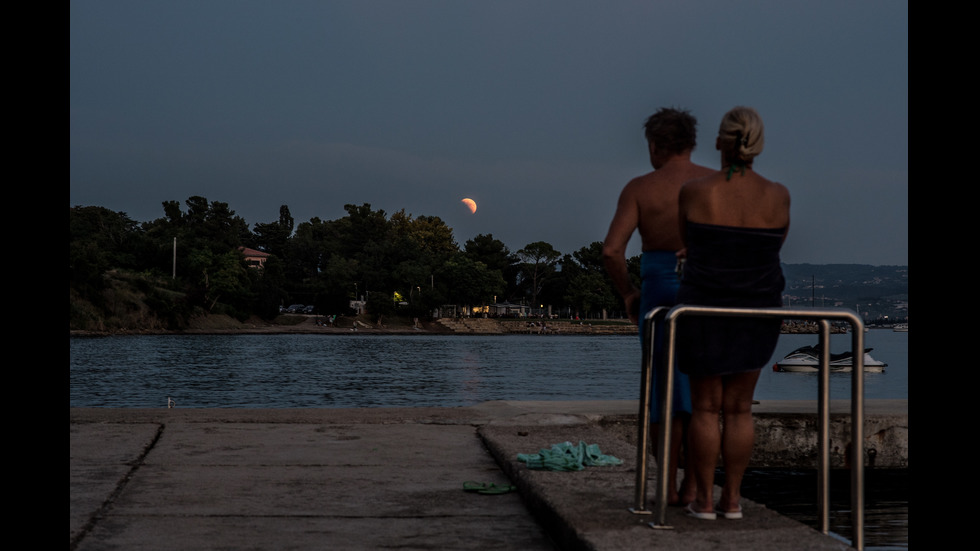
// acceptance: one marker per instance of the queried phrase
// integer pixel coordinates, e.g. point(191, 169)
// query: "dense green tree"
point(469, 282)
point(221, 277)
point(312, 246)
point(496, 256)
point(99, 240)
point(273, 237)
point(539, 261)
point(366, 253)
point(429, 235)
point(361, 228)
point(589, 289)
point(208, 236)
point(590, 258)
point(115, 234)
point(423, 246)
point(492, 252)
point(589, 293)
point(211, 227)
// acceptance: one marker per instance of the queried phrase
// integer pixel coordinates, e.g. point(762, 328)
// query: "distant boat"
point(806, 359)
point(901, 328)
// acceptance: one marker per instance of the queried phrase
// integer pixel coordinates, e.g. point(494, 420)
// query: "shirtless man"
point(649, 203)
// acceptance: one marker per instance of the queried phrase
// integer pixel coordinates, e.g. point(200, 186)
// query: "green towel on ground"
point(568, 457)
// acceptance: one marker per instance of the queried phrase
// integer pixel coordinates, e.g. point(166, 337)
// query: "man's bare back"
point(649, 203)
point(654, 196)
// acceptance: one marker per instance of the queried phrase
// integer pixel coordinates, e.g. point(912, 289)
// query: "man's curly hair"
point(672, 130)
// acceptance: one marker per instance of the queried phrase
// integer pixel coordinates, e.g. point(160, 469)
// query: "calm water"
point(314, 371)
point(793, 493)
point(888, 346)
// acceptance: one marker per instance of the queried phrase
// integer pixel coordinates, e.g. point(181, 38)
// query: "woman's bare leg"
point(738, 434)
point(705, 437)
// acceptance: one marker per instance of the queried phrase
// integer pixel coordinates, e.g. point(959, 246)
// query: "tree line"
point(398, 264)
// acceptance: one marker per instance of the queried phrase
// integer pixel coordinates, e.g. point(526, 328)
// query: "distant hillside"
point(874, 291)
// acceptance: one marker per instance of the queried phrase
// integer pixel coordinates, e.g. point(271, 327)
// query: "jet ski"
point(806, 359)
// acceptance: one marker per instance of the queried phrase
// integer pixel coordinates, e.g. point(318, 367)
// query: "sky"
point(534, 109)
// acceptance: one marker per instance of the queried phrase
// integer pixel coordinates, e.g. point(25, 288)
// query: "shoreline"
point(307, 324)
point(224, 325)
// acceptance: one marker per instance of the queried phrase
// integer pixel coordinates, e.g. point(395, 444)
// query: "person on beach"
point(733, 224)
point(649, 203)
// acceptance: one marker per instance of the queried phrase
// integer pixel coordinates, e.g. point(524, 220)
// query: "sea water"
point(361, 370)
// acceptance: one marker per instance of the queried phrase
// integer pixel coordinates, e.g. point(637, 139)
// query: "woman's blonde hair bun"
point(741, 135)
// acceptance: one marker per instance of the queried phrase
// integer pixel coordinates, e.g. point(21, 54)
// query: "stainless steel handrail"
point(823, 317)
point(643, 416)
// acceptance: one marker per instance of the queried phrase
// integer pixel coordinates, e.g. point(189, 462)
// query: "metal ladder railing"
point(823, 316)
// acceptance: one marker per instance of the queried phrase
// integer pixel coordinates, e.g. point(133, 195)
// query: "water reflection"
point(277, 371)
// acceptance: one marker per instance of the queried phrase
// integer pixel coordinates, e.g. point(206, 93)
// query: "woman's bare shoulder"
point(768, 182)
point(779, 190)
point(778, 201)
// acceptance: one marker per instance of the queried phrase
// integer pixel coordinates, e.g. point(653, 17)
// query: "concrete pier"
point(380, 478)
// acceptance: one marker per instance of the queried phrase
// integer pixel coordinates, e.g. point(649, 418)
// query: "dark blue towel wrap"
point(729, 266)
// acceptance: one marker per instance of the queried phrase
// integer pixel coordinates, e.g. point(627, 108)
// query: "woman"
point(733, 223)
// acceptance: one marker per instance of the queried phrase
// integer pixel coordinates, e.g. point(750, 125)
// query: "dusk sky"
point(534, 109)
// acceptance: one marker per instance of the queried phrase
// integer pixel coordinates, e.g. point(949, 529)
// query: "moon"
point(470, 204)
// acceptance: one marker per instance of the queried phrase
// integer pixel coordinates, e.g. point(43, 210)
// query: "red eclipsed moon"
point(471, 204)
